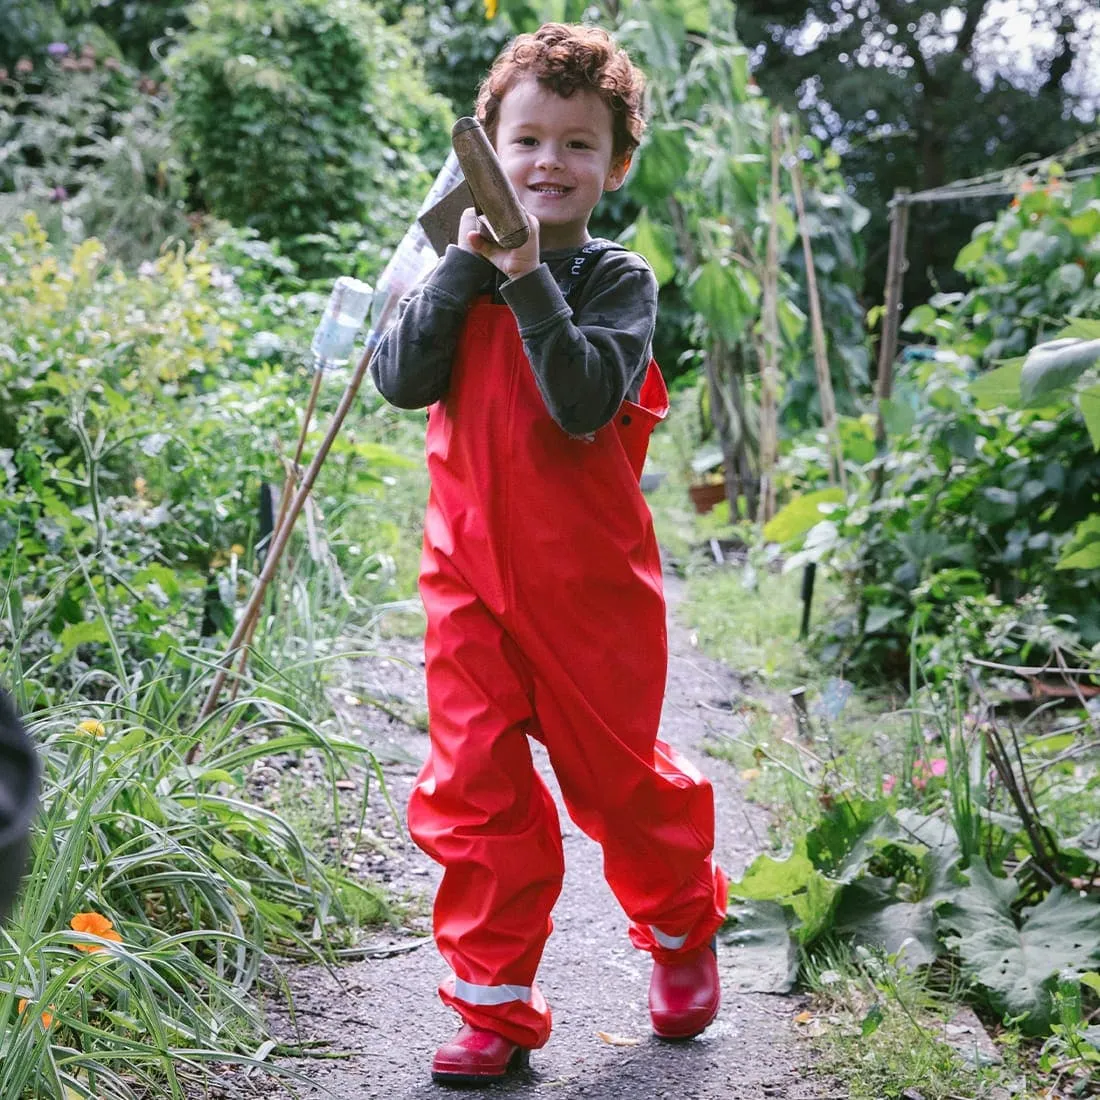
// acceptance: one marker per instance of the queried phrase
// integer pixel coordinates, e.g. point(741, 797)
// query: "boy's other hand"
point(512, 262)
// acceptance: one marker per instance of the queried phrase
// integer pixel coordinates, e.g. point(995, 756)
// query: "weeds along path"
point(383, 1013)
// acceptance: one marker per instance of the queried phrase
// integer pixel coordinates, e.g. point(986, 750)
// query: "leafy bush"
point(1034, 266)
point(983, 497)
point(87, 149)
point(297, 116)
point(896, 881)
point(119, 398)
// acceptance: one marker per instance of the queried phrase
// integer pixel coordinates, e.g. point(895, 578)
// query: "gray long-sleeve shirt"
point(586, 356)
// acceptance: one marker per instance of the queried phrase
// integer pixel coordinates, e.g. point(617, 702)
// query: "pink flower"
point(888, 783)
point(939, 767)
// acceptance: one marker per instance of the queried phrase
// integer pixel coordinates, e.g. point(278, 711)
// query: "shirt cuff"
point(461, 275)
point(535, 298)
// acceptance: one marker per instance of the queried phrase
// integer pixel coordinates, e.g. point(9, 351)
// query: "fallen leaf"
point(803, 1017)
point(617, 1040)
point(750, 773)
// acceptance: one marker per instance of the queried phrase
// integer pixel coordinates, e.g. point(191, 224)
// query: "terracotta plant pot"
point(706, 496)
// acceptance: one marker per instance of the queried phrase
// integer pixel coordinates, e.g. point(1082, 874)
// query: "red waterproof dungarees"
point(542, 587)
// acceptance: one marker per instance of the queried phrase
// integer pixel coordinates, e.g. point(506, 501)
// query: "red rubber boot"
point(476, 1057)
point(684, 995)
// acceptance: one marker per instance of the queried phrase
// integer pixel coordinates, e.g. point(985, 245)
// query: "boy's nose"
point(549, 157)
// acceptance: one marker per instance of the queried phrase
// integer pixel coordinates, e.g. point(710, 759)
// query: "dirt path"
point(385, 1010)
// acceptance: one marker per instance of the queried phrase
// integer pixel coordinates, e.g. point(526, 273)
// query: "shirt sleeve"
point(412, 364)
point(586, 361)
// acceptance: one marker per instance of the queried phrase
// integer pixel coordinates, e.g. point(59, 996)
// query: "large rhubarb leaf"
point(766, 959)
point(901, 920)
point(796, 884)
point(1018, 960)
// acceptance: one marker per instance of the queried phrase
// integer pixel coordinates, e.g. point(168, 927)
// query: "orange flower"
point(94, 924)
point(47, 1017)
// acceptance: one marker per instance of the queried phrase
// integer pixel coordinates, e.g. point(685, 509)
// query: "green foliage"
point(119, 397)
point(989, 486)
point(86, 148)
point(891, 882)
point(296, 117)
point(1031, 268)
point(201, 882)
point(921, 97)
point(1020, 959)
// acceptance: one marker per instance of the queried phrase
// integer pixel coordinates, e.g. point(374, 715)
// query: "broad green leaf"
point(766, 956)
point(875, 914)
point(83, 634)
point(880, 617)
point(999, 388)
point(1083, 549)
point(656, 243)
point(971, 253)
point(800, 514)
point(897, 415)
point(920, 319)
point(870, 1023)
point(1092, 980)
point(1056, 365)
point(1088, 401)
point(160, 575)
point(717, 293)
point(1018, 960)
point(663, 163)
point(797, 885)
point(1083, 328)
point(1065, 280)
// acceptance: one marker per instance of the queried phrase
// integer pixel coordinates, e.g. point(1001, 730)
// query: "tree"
point(917, 93)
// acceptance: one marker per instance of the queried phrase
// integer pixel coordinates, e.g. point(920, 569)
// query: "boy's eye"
point(579, 144)
point(528, 141)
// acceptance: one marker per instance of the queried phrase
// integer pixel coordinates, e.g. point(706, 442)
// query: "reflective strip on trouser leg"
point(490, 994)
point(671, 943)
point(480, 809)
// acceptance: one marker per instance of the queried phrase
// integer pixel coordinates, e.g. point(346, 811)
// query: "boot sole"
point(676, 1036)
point(519, 1060)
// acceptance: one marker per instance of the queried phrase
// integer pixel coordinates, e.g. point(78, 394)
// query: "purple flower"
point(58, 194)
point(57, 49)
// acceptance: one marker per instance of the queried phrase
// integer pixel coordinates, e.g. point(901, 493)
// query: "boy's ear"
point(616, 177)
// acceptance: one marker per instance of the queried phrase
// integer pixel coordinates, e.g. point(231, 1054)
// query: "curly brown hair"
point(565, 57)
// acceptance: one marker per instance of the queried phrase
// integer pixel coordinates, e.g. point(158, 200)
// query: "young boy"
point(540, 576)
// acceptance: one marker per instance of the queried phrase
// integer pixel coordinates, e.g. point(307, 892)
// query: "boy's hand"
point(513, 262)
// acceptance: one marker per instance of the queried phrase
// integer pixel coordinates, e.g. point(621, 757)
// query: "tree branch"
point(1062, 61)
point(974, 12)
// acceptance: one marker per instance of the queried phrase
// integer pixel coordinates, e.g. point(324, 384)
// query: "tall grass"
point(201, 882)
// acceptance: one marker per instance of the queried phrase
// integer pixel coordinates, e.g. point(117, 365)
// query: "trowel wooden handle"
point(494, 196)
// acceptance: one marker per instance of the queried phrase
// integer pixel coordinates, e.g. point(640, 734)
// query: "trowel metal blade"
point(440, 222)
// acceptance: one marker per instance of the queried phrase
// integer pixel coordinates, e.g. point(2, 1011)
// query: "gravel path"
point(384, 1014)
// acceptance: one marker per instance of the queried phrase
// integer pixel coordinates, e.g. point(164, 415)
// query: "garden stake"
point(282, 534)
point(895, 275)
point(817, 328)
point(288, 488)
point(769, 412)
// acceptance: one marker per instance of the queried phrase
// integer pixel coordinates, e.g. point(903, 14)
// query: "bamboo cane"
point(817, 328)
point(284, 503)
point(895, 276)
point(769, 412)
point(281, 537)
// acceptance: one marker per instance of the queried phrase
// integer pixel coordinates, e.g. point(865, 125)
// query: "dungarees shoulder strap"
point(581, 266)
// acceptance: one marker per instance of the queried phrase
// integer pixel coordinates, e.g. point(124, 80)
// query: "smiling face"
point(557, 152)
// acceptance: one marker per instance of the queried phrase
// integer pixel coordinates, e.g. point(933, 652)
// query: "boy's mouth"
point(549, 189)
